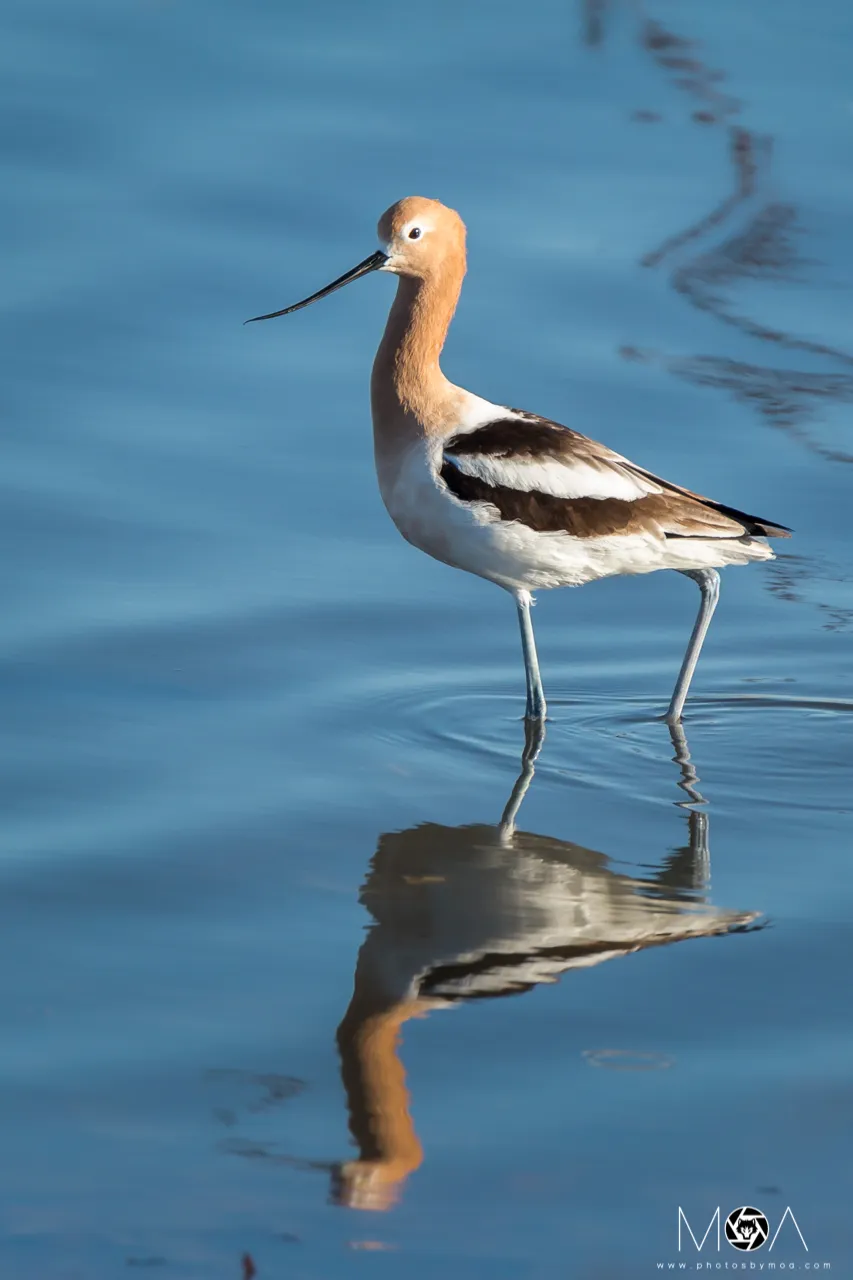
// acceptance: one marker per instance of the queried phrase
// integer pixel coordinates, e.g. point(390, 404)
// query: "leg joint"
point(708, 581)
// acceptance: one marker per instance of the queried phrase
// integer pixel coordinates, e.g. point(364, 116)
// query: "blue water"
point(245, 723)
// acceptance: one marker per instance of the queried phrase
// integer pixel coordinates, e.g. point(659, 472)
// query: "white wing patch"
point(606, 476)
point(560, 477)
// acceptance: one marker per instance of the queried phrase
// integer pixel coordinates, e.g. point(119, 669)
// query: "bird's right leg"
point(535, 693)
point(709, 585)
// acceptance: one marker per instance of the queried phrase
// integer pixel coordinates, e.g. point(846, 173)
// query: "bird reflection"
point(468, 912)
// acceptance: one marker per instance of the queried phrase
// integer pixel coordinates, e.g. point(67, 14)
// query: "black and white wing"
point(554, 479)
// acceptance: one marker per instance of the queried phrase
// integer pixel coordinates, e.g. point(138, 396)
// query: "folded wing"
point(553, 479)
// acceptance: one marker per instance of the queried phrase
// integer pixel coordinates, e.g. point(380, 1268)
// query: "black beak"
point(373, 263)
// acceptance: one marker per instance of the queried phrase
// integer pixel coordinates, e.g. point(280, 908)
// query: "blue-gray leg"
point(535, 692)
point(709, 585)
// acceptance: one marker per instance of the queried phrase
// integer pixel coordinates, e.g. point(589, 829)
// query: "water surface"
point(257, 749)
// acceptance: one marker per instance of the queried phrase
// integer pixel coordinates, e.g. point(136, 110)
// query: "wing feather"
point(553, 478)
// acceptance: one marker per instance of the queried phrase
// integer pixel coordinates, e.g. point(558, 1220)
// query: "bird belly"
point(472, 536)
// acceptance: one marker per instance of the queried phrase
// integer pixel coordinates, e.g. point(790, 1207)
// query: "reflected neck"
point(377, 1098)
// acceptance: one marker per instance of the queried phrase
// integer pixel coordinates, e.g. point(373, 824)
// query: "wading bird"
point(520, 500)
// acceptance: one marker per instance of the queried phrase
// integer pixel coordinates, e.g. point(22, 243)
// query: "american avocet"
point(515, 498)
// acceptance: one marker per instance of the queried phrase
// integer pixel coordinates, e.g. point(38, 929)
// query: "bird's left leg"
point(709, 585)
point(535, 693)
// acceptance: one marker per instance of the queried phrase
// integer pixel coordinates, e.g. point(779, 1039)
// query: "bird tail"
point(756, 526)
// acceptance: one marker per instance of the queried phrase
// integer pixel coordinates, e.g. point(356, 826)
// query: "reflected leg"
point(709, 585)
point(689, 777)
point(535, 693)
point(534, 736)
point(691, 867)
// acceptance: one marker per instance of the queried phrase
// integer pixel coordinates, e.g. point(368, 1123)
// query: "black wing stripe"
point(536, 438)
point(545, 513)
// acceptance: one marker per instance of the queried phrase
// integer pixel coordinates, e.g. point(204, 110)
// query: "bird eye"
point(415, 233)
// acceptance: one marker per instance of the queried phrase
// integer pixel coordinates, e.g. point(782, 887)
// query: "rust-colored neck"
point(407, 381)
